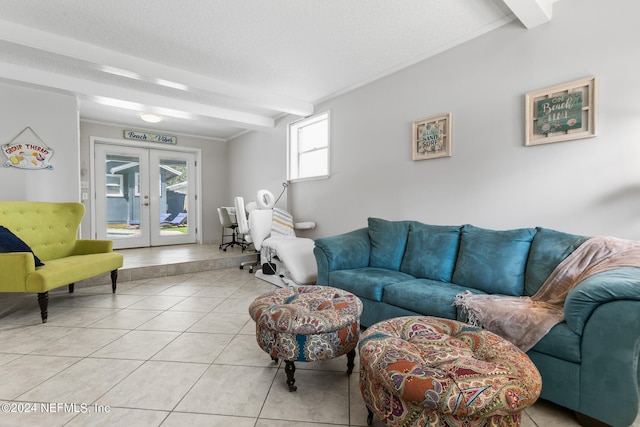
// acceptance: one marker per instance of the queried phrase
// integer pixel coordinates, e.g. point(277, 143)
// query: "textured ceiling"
point(219, 67)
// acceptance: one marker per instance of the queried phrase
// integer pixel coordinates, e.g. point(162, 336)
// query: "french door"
point(144, 196)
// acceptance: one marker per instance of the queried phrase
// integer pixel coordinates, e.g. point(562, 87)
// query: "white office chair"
point(227, 223)
point(293, 256)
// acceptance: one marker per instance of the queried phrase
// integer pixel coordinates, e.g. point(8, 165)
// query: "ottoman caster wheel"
point(369, 417)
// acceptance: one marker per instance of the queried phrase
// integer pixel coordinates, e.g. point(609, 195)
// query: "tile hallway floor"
point(170, 351)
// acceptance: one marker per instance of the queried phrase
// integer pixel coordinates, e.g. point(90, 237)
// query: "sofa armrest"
point(14, 268)
point(84, 247)
point(601, 288)
point(342, 252)
point(609, 386)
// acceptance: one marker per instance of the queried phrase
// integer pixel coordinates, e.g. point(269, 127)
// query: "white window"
point(114, 185)
point(308, 148)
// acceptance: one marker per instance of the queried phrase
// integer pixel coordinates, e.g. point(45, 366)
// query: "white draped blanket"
point(525, 320)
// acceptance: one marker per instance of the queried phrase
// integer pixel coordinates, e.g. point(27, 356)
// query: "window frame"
point(118, 186)
point(294, 153)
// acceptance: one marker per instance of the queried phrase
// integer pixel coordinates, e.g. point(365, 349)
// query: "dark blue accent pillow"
point(9, 242)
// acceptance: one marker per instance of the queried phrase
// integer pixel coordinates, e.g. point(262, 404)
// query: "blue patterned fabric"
point(493, 261)
point(421, 371)
point(307, 323)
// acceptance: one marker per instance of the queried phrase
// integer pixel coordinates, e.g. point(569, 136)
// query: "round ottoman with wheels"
point(307, 323)
point(427, 371)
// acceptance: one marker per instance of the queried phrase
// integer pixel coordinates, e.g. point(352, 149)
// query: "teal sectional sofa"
point(588, 362)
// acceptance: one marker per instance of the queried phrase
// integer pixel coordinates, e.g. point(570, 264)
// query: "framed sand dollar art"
point(432, 137)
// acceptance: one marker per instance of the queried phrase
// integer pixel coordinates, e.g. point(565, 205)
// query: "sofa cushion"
point(388, 242)
point(493, 261)
point(431, 251)
point(9, 242)
point(548, 249)
point(71, 269)
point(366, 282)
point(425, 296)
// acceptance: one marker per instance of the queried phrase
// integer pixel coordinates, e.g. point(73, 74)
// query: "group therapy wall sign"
point(28, 151)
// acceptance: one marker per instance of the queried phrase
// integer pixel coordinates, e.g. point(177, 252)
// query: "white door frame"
point(93, 140)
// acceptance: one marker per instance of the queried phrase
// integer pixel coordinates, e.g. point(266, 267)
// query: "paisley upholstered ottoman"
point(426, 371)
point(307, 323)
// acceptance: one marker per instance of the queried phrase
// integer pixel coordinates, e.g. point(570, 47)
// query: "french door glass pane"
point(123, 197)
point(173, 197)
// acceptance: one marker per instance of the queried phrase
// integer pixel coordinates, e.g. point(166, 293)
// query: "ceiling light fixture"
point(150, 118)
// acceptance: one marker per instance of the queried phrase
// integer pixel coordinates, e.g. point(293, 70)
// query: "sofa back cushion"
point(493, 261)
point(388, 242)
point(431, 251)
point(548, 249)
point(50, 229)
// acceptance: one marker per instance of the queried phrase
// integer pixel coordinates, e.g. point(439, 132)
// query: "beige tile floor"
point(169, 351)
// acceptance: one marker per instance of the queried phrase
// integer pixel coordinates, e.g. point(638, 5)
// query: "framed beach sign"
point(561, 113)
point(432, 137)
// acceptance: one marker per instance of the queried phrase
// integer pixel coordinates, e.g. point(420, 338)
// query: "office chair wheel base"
point(251, 269)
point(242, 267)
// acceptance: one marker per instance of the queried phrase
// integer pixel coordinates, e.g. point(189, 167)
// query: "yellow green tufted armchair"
point(50, 230)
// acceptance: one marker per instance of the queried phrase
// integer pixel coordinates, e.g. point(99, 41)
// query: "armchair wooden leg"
point(114, 279)
point(71, 287)
point(43, 301)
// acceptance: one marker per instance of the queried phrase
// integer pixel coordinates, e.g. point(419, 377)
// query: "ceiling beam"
point(131, 99)
point(138, 68)
point(531, 12)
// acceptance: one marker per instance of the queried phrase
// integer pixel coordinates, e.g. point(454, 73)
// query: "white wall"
point(589, 186)
point(259, 160)
point(214, 170)
point(54, 118)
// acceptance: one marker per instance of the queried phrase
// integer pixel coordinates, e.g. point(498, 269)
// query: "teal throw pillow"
point(388, 242)
point(431, 251)
point(548, 249)
point(9, 242)
point(493, 261)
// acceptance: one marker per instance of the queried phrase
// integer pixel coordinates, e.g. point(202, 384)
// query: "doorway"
point(144, 196)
